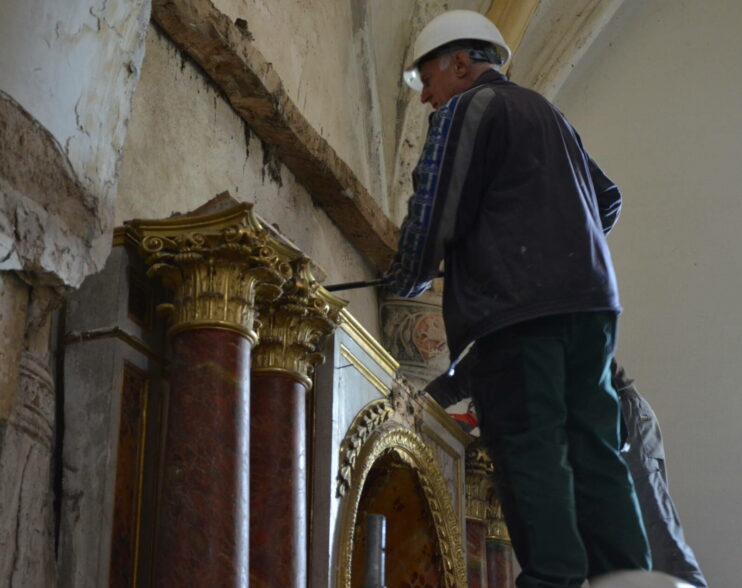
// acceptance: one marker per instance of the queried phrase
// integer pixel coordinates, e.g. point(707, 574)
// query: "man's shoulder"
point(479, 96)
point(500, 90)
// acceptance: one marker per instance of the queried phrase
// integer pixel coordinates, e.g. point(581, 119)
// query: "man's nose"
point(425, 96)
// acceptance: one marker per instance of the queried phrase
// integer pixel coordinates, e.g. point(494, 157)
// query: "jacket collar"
point(491, 75)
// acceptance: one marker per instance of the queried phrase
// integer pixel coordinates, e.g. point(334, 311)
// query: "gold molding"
point(216, 265)
point(366, 341)
point(479, 484)
point(365, 372)
point(295, 326)
point(446, 420)
point(481, 498)
point(455, 457)
point(124, 237)
point(411, 449)
point(371, 417)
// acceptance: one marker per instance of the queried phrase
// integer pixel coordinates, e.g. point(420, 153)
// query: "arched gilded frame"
point(380, 438)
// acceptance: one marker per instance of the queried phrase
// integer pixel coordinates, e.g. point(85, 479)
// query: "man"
point(645, 455)
point(506, 195)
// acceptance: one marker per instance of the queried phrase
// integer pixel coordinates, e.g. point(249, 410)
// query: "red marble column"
point(204, 505)
point(278, 486)
point(500, 564)
point(293, 330)
point(476, 554)
point(216, 267)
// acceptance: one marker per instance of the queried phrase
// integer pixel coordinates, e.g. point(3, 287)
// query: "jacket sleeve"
point(609, 197)
point(450, 388)
point(419, 253)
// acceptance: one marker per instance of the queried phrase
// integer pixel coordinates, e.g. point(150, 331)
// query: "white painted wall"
point(658, 104)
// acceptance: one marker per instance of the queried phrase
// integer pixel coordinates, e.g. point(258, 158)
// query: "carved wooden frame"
point(381, 437)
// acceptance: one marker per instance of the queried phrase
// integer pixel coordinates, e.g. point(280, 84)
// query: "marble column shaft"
point(216, 266)
point(203, 538)
point(476, 554)
point(278, 495)
point(500, 564)
point(294, 329)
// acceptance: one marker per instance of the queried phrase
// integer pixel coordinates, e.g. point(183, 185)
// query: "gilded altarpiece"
point(375, 443)
point(381, 446)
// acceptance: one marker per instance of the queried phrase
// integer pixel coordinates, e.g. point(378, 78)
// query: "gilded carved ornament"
point(497, 529)
point(481, 497)
point(389, 437)
point(479, 486)
point(407, 401)
point(294, 327)
point(366, 422)
point(216, 266)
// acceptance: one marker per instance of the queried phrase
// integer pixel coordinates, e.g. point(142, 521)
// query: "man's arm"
point(420, 248)
point(609, 197)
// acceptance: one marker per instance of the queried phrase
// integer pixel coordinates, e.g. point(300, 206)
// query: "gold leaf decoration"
point(365, 423)
point(409, 447)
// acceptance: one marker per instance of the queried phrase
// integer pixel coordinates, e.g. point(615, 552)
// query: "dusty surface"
point(26, 523)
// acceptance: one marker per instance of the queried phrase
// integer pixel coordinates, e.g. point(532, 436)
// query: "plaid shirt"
point(409, 276)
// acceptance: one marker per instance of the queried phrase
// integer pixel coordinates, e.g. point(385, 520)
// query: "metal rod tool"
point(362, 284)
point(354, 285)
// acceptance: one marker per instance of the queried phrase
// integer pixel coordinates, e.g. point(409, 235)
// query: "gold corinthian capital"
point(482, 503)
point(215, 265)
point(479, 487)
point(294, 327)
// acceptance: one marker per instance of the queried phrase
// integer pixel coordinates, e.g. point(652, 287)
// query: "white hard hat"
point(638, 579)
point(455, 25)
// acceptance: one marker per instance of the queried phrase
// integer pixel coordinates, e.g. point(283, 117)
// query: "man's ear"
point(461, 64)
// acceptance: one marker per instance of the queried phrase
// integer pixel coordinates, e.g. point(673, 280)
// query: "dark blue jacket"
point(508, 197)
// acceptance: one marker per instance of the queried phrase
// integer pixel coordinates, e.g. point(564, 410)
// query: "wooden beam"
point(224, 51)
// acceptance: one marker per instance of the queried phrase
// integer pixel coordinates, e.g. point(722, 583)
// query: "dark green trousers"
point(550, 417)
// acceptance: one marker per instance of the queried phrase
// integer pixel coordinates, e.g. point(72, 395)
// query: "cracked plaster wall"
point(70, 69)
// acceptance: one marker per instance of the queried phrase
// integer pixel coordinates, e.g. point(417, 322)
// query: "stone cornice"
point(257, 94)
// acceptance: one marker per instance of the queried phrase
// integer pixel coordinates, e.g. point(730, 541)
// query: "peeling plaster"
point(79, 70)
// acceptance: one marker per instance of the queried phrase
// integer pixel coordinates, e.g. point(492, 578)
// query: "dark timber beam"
point(257, 94)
